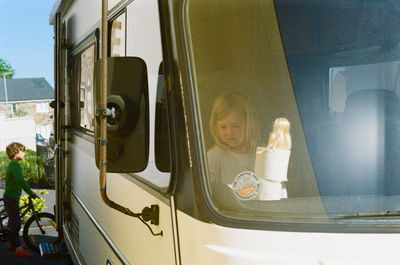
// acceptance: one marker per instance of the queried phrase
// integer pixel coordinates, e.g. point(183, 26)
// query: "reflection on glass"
point(362, 131)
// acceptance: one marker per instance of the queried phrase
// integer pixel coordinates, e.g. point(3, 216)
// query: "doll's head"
point(233, 124)
point(280, 135)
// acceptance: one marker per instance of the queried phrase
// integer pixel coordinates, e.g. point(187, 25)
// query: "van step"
point(52, 251)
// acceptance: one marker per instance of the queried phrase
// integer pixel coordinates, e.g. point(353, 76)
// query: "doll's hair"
point(280, 135)
point(239, 103)
point(13, 149)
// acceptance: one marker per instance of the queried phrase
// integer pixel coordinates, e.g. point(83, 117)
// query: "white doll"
point(272, 162)
point(280, 135)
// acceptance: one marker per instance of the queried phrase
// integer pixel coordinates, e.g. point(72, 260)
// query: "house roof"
point(21, 89)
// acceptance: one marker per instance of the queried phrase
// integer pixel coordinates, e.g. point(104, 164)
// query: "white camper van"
point(155, 166)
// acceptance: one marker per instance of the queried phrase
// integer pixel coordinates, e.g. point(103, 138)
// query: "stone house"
point(28, 97)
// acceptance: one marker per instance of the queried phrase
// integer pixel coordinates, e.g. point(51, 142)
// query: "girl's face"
point(231, 130)
point(20, 156)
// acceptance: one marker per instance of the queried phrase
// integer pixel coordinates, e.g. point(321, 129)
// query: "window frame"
point(150, 186)
point(206, 202)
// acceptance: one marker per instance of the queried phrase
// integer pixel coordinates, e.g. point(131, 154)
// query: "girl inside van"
point(234, 129)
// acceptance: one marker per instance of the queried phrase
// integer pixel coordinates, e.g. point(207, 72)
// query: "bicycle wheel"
point(40, 231)
point(3, 225)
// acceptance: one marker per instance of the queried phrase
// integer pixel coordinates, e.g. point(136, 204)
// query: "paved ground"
point(7, 257)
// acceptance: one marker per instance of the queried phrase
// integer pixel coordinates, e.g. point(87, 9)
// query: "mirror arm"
point(103, 113)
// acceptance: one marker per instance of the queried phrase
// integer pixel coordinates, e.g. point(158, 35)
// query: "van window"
point(144, 41)
point(80, 82)
point(86, 88)
point(161, 129)
point(299, 114)
point(118, 36)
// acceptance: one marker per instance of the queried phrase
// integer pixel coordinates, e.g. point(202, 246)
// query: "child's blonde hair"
point(280, 135)
point(238, 102)
point(13, 149)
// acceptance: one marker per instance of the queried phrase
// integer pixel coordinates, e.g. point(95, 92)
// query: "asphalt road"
point(7, 257)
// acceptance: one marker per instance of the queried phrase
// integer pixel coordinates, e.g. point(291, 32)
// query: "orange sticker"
point(247, 191)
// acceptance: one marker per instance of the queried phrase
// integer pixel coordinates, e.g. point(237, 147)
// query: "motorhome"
point(138, 179)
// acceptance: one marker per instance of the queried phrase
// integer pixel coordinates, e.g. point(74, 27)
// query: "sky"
point(26, 38)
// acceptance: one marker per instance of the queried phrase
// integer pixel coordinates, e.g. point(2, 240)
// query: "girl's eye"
point(221, 125)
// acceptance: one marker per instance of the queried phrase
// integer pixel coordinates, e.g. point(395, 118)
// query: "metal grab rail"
point(103, 126)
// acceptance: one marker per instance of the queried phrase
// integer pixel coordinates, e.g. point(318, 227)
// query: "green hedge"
point(32, 168)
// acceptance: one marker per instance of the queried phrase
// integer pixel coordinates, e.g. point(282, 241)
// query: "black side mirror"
point(128, 128)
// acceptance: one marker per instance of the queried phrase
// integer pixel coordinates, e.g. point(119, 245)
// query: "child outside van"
point(13, 188)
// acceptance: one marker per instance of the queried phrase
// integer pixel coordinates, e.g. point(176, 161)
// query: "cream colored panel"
point(130, 235)
point(92, 246)
point(203, 243)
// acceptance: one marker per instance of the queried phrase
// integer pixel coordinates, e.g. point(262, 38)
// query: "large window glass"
point(299, 113)
point(144, 41)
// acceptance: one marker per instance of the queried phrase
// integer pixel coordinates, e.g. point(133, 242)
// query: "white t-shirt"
point(225, 165)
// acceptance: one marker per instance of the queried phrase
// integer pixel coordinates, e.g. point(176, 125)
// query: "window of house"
point(42, 107)
point(14, 108)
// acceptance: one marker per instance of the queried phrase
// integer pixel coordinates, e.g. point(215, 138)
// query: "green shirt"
point(15, 181)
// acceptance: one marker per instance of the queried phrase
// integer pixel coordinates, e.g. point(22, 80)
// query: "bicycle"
point(39, 228)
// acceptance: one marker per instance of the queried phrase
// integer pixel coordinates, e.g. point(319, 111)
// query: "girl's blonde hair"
point(280, 135)
point(238, 102)
point(13, 149)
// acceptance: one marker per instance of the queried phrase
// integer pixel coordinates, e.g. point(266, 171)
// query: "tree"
point(6, 68)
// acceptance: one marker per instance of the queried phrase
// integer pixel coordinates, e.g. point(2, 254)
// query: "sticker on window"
point(246, 185)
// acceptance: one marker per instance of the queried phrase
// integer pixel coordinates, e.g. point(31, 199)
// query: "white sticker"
point(246, 185)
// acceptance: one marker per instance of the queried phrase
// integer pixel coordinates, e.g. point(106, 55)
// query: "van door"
point(99, 233)
point(135, 32)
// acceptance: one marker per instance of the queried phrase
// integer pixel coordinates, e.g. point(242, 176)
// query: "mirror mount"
point(105, 113)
